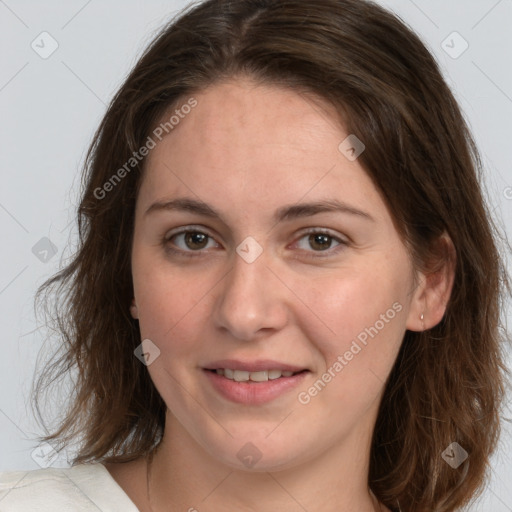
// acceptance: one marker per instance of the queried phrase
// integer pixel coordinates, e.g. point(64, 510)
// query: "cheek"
point(172, 312)
point(174, 305)
point(357, 324)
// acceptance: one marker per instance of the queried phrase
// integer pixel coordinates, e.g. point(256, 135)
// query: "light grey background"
point(50, 108)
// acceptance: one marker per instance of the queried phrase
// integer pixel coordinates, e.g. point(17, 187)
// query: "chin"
point(255, 453)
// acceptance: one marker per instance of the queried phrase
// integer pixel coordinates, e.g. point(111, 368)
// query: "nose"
point(250, 300)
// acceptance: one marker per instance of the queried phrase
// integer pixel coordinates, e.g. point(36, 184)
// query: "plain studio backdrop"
point(61, 63)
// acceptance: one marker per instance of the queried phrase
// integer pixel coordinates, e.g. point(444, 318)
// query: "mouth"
point(258, 376)
point(253, 383)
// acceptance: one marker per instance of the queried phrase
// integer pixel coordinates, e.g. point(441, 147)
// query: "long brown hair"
point(448, 382)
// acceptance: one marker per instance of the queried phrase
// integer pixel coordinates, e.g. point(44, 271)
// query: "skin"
point(246, 150)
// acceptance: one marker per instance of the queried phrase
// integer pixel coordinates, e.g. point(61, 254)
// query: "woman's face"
point(255, 276)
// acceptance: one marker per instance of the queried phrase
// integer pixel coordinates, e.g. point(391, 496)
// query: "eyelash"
point(199, 253)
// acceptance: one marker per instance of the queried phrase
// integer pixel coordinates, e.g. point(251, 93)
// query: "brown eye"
point(188, 241)
point(320, 241)
point(195, 240)
point(317, 241)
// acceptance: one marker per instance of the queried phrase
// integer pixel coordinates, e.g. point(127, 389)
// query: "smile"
point(253, 388)
point(260, 376)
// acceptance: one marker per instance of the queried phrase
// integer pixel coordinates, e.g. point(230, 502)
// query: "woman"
point(287, 290)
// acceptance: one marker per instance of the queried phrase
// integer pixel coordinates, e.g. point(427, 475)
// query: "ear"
point(433, 287)
point(133, 310)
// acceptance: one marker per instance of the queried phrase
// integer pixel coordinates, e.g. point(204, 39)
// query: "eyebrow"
point(289, 212)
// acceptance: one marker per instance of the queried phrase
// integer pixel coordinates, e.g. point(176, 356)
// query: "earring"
point(421, 317)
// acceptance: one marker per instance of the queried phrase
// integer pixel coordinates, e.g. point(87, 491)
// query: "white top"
point(81, 488)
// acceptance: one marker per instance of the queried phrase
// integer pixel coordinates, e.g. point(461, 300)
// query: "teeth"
point(241, 376)
point(274, 374)
point(244, 376)
point(259, 376)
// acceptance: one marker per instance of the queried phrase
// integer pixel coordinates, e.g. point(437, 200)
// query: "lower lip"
point(253, 393)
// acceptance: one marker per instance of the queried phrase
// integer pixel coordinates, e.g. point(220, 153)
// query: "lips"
point(255, 382)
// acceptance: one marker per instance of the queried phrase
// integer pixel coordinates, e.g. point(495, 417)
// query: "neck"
point(184, 476)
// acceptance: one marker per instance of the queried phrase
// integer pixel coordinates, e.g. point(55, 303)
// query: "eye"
point(321, 241)
point(188, 242)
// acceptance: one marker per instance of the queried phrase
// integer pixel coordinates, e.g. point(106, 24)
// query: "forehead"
point(242, 114)
point(254, 145)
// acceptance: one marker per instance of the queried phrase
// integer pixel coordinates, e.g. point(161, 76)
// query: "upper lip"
point(253, 366)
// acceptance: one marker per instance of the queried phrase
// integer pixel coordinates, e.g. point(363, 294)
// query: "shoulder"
point(81, 488)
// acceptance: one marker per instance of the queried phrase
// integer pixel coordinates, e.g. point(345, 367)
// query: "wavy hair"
point(448, 382)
